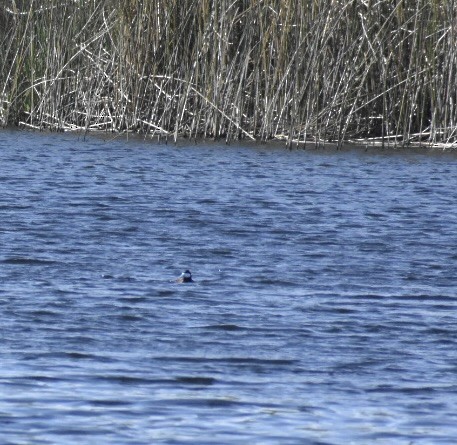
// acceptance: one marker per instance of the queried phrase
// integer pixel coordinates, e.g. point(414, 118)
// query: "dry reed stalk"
point(303, 71)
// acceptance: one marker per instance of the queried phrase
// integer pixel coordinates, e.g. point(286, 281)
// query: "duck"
point(185, 277)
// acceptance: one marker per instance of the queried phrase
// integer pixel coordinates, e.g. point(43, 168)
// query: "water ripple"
point(323, 308)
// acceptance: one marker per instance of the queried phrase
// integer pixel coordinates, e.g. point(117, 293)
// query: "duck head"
point(185, 277)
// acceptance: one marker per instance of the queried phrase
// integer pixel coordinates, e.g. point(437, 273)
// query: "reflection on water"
point(323, 309)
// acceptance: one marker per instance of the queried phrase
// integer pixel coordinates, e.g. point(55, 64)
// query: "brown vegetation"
point(299, 70)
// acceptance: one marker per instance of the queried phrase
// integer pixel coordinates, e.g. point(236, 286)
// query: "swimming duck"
point(185, 277)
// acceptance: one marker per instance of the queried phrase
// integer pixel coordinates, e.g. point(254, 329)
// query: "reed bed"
point(315, 70)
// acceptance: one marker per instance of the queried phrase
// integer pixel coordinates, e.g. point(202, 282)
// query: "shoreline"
point(281, 141)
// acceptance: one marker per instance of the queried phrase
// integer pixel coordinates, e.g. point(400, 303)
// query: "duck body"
point(185, 277)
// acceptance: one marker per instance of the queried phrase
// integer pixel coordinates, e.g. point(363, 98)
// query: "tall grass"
point(315, 70)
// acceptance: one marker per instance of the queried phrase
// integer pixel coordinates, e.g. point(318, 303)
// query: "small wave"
point(234, 360)
point(132, 299)
point(109, 403)
point(132, 380)
point(224, 327)
point(204, 402)
point(67, 355)
point(165, 293)
point(27, 261)
point(129, 317)
point(206, 381)
point(44, 313)
point(403, 389)
point(41, 379)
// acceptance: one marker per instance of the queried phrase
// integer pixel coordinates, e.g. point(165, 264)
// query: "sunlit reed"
point(302, 71)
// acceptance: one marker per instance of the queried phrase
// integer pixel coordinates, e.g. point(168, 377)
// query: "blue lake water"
point(324, 308)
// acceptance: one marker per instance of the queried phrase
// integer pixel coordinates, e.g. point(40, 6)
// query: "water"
point(324, 308)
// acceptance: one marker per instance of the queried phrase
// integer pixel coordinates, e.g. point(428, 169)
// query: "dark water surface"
point(324, 309)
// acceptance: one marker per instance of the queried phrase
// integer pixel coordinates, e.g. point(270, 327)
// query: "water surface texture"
point(323, 310)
